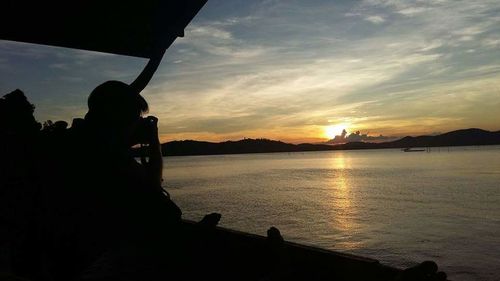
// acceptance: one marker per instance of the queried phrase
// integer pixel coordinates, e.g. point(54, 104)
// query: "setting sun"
point(335, 130)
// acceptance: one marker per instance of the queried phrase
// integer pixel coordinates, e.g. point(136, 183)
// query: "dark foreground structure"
point(242, 256)
point(50, 231)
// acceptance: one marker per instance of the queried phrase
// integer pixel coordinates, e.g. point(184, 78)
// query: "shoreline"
point(334, 149)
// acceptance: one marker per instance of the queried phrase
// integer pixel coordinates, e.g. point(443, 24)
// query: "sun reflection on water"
point(344, 211)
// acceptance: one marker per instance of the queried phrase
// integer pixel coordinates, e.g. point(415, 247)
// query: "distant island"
point(463, 137)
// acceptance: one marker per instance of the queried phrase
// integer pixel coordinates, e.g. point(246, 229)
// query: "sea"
point(398, 207)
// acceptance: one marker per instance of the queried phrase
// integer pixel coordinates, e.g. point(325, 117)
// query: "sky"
point(296, 71)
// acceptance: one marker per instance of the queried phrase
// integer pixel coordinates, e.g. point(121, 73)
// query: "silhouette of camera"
point(144, 130)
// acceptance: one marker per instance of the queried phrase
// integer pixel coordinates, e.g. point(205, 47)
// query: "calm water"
point(397, 207)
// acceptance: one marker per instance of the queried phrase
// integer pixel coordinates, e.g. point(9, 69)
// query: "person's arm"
point(147, 73)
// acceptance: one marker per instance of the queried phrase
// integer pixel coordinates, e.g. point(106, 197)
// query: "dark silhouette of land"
point(465, 137)
point(191, 147)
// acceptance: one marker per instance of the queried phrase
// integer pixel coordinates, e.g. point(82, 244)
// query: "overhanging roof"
point(132, 28)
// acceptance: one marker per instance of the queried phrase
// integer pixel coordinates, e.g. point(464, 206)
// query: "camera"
point(144, 129)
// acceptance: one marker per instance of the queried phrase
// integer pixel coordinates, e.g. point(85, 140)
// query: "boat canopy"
point(132, 28)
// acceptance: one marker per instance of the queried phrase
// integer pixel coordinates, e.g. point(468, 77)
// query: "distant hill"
point(455, 138)
point(191, 147)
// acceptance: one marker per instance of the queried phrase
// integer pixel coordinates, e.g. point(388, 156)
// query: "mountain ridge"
point(462, 137)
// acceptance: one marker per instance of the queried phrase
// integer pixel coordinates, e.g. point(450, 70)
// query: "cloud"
point(235, 20)
point(358, 137)
point(213, 39)
point(375, 19)
point(465, 19)
point(411, 11)
point(493, 43)
point(197, 31)
point(434, 44)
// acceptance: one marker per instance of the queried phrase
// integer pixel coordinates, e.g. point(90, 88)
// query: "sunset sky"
point(296, 71)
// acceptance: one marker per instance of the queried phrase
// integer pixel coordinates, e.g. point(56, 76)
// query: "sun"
point(335, 130)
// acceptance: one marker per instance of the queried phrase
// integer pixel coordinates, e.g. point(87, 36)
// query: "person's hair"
point(116, 102)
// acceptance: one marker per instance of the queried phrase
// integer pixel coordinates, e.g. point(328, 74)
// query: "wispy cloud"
point(412, 11)
point(204, 32)
point(375, 19)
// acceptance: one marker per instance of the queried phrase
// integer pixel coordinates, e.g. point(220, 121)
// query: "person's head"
point(16, 114)
point(114, 104)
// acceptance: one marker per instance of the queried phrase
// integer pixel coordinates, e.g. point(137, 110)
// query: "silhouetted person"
point(16, 114)
point(107, 214)
point(19, 134)
point(77, 123)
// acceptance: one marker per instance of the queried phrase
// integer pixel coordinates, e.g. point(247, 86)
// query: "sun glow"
point(335, 130)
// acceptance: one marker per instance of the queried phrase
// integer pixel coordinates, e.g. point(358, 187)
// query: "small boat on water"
point(409, 149)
